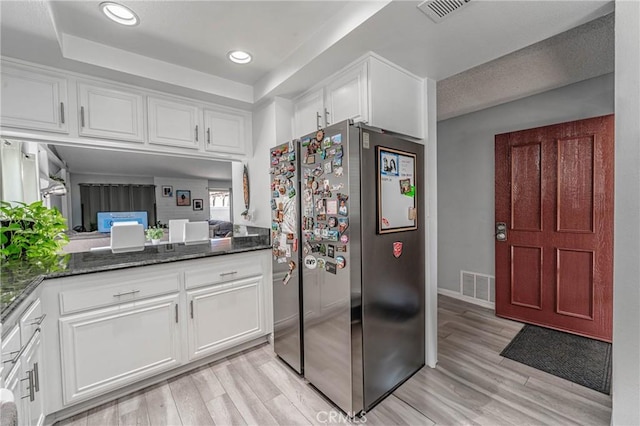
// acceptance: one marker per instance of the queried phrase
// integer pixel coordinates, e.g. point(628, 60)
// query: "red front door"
point(554, 192)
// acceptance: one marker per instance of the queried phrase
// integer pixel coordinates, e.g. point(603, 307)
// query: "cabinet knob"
point(196, 133)
point(318, 117)
point(208, 135)
point(81, 116)
point(326, 117)
point(62, 112)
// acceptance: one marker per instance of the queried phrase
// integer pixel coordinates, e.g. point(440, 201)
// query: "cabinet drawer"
point(221, 270)
point(10, 350)
point(30, 321)
point(100, 290)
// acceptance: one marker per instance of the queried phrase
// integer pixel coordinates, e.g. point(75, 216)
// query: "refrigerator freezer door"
point(329, 236)
point(392, 272)
point(285, 237)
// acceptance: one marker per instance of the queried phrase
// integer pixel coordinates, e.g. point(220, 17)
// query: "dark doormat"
point(584, 361)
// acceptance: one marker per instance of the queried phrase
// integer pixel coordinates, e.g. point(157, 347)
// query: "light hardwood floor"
point(472, 384)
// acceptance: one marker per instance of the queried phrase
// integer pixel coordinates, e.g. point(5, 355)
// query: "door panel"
point(554, 189)
point(575, 283)
point(526, 276)
point(526, 191)
point(575, 184)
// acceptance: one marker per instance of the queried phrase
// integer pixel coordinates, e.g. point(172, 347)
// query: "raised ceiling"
point(181, 45)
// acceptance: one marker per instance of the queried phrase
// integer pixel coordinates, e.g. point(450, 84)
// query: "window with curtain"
point(105, 197)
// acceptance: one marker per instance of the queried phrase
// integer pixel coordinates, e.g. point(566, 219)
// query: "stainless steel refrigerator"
point(359, 256)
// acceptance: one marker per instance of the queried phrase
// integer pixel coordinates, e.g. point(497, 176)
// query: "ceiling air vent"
point(438, 10)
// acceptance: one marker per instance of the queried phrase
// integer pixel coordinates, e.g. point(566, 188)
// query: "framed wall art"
point(183, 197)
point(167, 191)
point(198, 204)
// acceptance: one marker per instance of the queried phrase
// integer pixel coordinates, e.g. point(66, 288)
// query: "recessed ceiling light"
point(239, 57)
point(119, 13)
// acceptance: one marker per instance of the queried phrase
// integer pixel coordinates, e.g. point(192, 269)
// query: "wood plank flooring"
point(472, 385)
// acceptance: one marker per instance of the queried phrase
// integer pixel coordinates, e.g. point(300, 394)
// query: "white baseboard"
point(460, 296)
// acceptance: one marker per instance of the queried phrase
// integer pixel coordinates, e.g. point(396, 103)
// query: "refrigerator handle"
point(326, 117)
point(318, 116)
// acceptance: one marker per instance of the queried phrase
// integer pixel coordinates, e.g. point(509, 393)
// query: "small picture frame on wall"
point(198, 204)
point(183, 198)
point(167, 191)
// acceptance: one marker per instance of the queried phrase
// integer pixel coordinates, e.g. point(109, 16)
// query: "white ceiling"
point(198, 34)
point(180, 46)
point(118, 163)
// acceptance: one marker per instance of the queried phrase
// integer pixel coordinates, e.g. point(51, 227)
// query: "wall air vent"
point(438, 10)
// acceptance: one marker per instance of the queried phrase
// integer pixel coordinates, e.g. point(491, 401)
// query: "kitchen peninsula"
point(98, 325)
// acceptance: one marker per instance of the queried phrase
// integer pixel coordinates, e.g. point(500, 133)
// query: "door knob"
point(501, 231)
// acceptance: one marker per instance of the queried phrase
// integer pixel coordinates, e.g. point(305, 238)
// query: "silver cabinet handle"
point(209, 135)
point(326, 117)
point(196, 133)
point(38, 320)
point(176, 313)
point(191, 306)
point(318, 120)
point(126, 293)
point(223, 274)
point(62, 112)
point(36, 377)
point(29, 378)
point(81, 116)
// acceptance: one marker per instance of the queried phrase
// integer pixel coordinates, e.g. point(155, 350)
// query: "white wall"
point(466, 169)
point(271, 126)
point(167, 208)
point(626, 267)
point(77, 178)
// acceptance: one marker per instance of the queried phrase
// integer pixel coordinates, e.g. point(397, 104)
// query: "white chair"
point(176, 230)
point(196, 232)
point(127, 237)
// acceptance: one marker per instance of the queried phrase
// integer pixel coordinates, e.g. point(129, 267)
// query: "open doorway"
point(220, 205)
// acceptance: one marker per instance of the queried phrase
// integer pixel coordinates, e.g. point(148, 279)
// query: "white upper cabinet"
point(174, 123)
point(110, 113)
point(32, 100)
point(372, 91)
point(396, 99)
point(308, 113)
point(226, 131)
point(347, 96)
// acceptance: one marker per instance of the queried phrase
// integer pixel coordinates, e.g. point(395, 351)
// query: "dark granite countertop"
point(18, 280)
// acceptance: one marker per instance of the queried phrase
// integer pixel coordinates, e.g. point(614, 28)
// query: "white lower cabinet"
point(32, 373)
point(224, 315)
point(18, 388)
point(109, 348)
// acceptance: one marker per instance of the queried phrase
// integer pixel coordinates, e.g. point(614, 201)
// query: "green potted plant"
point(30, 231)
point(155, 234)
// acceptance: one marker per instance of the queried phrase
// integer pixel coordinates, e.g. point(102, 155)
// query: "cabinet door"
point(33, 100)
point(396, 99)
point(173, 123)
point(347, 96)
point(18, 388)
point(307, 113)
point(107, 112)
point(224, 315)
point(109, 348)
point(225, 131)
point(32, 364)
